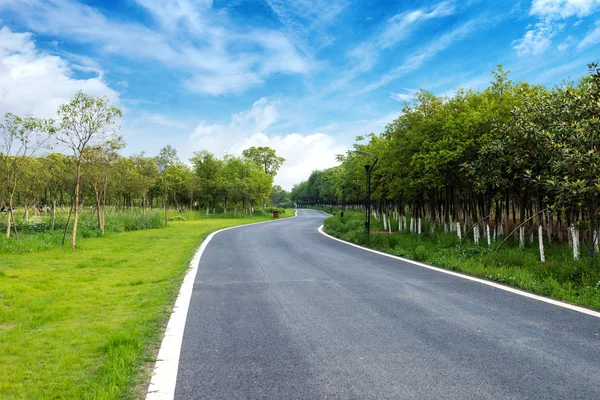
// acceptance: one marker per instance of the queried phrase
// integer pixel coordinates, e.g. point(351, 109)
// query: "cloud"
point(401, 25)
point(165, 121)
point(303, 152)
point(550, 13)
point(257, 119)
point(190, 37)
point(34, 82)
point(537, 40)
point(307, 20)
point(562, 9)
point(403, 97)
point(395, 30)
point(417, 59)
point(591, 39)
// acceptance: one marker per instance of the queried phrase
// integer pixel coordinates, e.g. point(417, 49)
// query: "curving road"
point(280, 311)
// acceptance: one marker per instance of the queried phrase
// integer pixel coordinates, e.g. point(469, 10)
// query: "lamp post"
point(368, 169)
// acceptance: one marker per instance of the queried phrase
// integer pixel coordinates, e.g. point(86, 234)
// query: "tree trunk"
point(76, 206)
point(100, 224)
point(8, 213)
point(53, 211)
point(165, 205)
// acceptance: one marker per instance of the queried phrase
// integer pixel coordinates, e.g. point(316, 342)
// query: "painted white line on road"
point(471, 278)
point(164, 377)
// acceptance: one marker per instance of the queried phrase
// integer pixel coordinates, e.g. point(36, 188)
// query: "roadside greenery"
point(561, 277)
point(86, 323)
point(513, 158)
point(95, 175)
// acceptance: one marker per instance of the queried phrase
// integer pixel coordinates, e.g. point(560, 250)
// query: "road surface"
point(280, 311)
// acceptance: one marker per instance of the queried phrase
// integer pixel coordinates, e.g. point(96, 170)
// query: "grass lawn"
point(86, 323)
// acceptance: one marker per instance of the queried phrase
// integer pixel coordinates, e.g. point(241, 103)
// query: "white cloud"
point(33, 82)
point(538, 38)
point(205, 57)
point(536, 41)
point(303, 153)
point(397, 28)
point(591, 39)
point(401, 25)
point(165, 121)
point(307, 20)
point(562, 9)
point(403, 97)
point(417, 59)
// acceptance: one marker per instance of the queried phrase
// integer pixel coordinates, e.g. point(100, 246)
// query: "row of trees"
point(95, 174)
point(512, 156)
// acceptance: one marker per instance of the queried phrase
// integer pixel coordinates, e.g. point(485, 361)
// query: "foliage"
point(475, 157)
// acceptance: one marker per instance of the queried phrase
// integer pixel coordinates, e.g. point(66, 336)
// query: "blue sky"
point(304, 76)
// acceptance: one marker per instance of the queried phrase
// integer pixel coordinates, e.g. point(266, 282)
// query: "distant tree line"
point(89, 171)
point(513, 157)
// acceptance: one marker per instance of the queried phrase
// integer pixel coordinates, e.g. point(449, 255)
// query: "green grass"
point(560, 277)
point(86, 323)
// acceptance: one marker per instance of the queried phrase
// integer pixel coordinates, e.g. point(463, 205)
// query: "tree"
point(82, 122)
point(265, 157)
point(21, 138)
point(99, 165)
point(165, 158)
point(278, 194)
point(58, 177)
point(146, 176)
point(209, 170)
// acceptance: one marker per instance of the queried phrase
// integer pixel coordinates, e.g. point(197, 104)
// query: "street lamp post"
point(368, 169)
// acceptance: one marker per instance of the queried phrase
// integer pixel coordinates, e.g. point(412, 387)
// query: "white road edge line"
point(164, 376)
point(471, 278)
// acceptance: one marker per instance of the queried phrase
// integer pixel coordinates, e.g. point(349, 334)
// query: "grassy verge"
point(82, 324)
point(560, 277)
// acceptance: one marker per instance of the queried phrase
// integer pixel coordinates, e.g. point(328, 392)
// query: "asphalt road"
point(281, 312)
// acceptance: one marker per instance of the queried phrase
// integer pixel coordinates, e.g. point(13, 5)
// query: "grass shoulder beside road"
point(86, 323)
point(560, 277)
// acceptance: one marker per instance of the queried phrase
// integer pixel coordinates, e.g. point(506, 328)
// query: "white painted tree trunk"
point(458, 232)
point(384, 221)
point(476, 234)
point(541, 241)
point(575, 235)
point(596, 237)
point(419, 225)
point(570, 236)
point(522, 237)
point(489, 239)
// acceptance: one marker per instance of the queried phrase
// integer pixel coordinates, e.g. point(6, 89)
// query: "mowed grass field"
point(87, 323)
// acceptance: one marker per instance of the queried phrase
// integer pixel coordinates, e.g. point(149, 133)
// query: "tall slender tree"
point(84, 121)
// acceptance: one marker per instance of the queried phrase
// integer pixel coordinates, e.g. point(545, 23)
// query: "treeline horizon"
point(96, 175)
point(513, 155)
